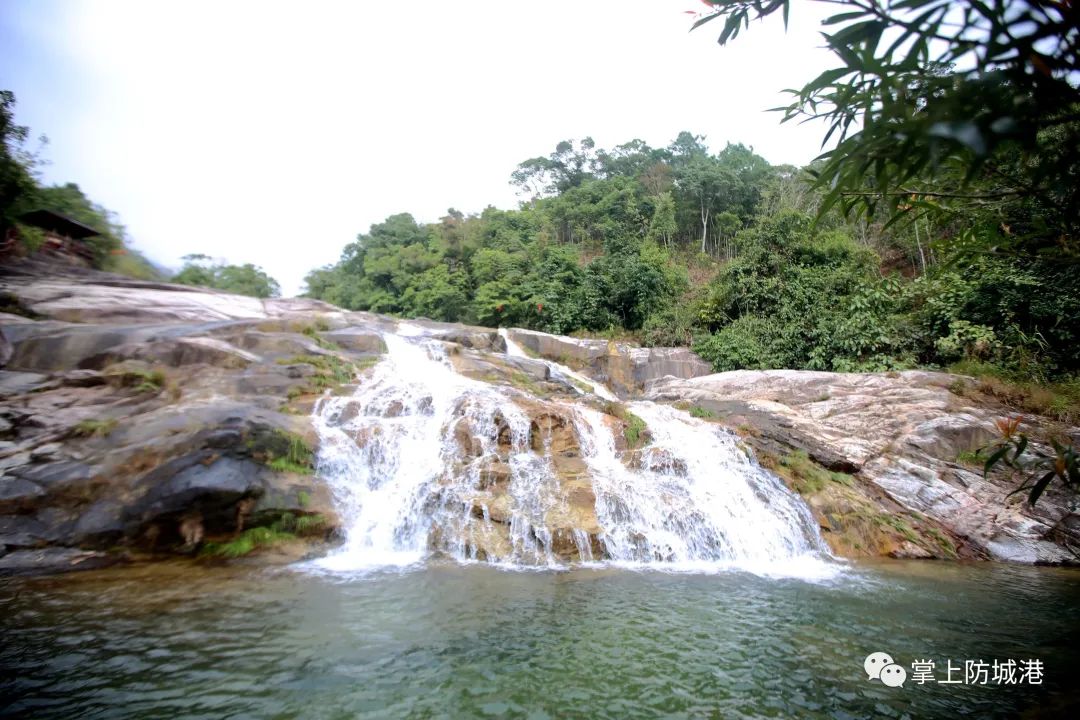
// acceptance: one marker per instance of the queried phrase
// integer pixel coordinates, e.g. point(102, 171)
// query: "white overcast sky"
point(274, 132)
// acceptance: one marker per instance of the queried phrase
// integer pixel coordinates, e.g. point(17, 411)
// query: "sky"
point(275, 132)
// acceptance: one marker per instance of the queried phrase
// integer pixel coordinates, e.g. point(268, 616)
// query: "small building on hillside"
point(63, 235)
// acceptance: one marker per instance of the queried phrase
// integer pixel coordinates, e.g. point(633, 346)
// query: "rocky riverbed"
point(143, 420)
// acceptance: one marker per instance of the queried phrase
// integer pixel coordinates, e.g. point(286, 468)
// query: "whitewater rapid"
point(406, 455)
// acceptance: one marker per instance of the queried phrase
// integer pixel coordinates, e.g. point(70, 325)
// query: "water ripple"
point(474, 641)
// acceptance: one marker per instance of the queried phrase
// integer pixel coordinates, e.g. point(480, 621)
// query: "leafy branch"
point(1010, 449)
point(937, 90)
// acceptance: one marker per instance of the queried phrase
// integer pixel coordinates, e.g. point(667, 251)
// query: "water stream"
point(409, 457)
point(452, 640)
point(404, 620)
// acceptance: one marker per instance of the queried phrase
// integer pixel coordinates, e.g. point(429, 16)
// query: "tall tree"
point(567, 167)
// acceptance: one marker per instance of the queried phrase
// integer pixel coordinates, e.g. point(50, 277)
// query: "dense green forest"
point(722, 251)
point(938, 229)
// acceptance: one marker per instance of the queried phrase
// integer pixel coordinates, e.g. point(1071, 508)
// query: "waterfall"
point(423, 460)
point(694, 497)
point(572, 378)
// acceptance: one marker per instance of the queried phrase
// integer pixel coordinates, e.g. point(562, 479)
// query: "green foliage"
point(282, 464)
point(700, 412)
point(803, 298)
point(287, 527)
point(1059, 400)
point(17, 184)
point(1012, 449)
point(634, 432)
point(938, 105)
point(142, 380)
point(247, 542)
point(313, 330)
point(70, 201)
point(806, 476)
point(244, 279)
point(966, 340)
point(20, 192)
point(634, 429)
point(593, 250)
point(130, 262)
point(331, 371)
point(11, 305)
point(973, 458)
point(310, 524)
point(721, 251)
point(287, 452)
point(750, 342)
point(94, 428)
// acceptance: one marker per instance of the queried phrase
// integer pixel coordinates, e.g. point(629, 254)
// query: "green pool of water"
point(474, 641)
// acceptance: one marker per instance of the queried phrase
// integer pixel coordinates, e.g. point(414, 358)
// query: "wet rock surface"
point(902, 437)
point(155, 419)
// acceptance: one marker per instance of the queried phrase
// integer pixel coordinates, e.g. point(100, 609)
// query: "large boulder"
point(72, 294)
point(903, 434)
point(624, 368)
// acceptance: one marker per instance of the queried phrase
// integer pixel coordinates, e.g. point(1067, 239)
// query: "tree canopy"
point(245, 279)
point(723, 251)
point(946, 106)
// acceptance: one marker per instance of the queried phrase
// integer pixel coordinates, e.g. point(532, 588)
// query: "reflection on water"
point(461, 641)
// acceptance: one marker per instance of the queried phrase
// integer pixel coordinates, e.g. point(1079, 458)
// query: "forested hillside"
point(719, 250)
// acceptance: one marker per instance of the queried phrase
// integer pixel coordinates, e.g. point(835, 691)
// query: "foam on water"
point(405, 455)
point(560, 371)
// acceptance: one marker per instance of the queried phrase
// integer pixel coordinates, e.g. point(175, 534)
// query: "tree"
point(244, 279)
point(663, 225)
point(16, 180)
point(565, 168)
point(709, 186)
point(938, 104)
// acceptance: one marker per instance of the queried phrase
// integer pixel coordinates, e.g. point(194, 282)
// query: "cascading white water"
point(695, 497)
point(399, 471)
point(574, 379)
point(409, 457)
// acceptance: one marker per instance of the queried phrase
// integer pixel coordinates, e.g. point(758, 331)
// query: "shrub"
point(284, 452)
point(140, 379)
point(635, 431)
point(748, 343)
point(94, 428)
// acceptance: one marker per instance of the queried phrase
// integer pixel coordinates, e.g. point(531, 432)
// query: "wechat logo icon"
point(880, 666)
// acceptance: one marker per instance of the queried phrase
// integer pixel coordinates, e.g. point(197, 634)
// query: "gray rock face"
point(648, 364)
point(902, 432)
point(623, 367)
point(566, 350)
point(140, 415)
point(85, 296)
point(54, 560)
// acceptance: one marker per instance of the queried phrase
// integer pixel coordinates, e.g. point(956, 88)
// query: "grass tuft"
point(247, 541)
point(635, 431)
point(806, 476)
point(1058, 400)
point(94, 428)
point(140, 379)
point(970, 457)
